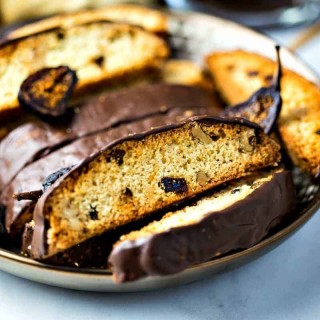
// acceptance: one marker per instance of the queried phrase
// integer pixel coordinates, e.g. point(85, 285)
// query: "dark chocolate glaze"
point(39, 248)
point(239, 226)
point(257, 104)
point(37, 139)
point(32, 176)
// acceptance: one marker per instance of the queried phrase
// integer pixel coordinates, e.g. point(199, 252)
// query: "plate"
point(192, 36)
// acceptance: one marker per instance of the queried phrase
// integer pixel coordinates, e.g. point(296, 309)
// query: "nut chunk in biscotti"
point(236, 217)
point(140, 174)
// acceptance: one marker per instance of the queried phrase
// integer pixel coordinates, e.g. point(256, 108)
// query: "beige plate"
point(192, 36)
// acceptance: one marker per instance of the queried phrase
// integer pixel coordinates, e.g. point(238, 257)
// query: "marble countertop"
point(284, 284)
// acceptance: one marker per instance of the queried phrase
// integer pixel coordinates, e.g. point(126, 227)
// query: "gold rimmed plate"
point(192, 36)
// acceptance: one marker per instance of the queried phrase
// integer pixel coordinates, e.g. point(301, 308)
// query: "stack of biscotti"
point(141, 174)
point(236, 217)
point(31, 177)
point(35, 139)
point(238, 74)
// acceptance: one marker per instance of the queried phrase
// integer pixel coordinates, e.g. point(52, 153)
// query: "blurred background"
point(254, 13)
point(294, 23)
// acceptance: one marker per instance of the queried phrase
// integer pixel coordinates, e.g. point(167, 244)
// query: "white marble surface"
point(284, 284)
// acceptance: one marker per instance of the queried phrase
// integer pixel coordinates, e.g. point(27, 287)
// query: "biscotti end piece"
point(143, 173)
point(238, 74)
point(236, 217)
point(104, 52)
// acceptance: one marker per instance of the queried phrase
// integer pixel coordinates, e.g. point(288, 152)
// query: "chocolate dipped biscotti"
point(238, 74)
point(143, 173)
point(35, 139)
point(32, 176)
point(236, 217)
point(91, 253)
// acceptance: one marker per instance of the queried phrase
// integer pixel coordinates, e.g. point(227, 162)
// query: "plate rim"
point(304, 215)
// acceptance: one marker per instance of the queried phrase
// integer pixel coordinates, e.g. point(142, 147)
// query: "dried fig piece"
point(264, 106)
point(116, 155)
point(48, 182)
point(53, 177)
point(47, 91)
point(177, 185)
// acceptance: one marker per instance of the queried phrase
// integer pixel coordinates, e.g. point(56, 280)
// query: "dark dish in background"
point(255, 13)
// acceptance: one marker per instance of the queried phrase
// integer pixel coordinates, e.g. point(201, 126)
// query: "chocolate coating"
point(37, 139)
point(264, 106)
point(239, 226)
point(39, 248)
point(32, 176)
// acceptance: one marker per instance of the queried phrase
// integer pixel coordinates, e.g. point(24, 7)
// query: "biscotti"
point(236, 217)
point(148, 19)
point(33, 175)
point(35, 139)
point(174, 72)
point(238, 74)
point(143, 173)
point(104, 52)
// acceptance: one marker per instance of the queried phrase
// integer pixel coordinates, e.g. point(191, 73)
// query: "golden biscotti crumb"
point(235, 217)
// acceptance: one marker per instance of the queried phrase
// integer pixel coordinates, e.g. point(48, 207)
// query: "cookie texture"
point(36, 139)
point(32, 176)
point(143, 173)
point(238, 74)
point(236, 217)
point(104, 52)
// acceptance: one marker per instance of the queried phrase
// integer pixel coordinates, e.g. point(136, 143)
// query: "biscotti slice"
point(148, 19)
point(33, 140)
point(172, 72)
point(143, 173)
point(32, 176)
point(238, 74)
point(99, 52)
point(237, 217)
